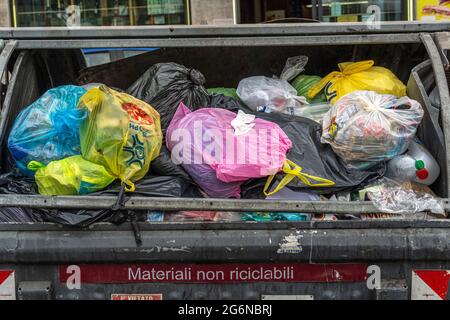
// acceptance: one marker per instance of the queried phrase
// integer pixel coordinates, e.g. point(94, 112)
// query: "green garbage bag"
point(70, 176)
point(228, 92)
point(302, 84)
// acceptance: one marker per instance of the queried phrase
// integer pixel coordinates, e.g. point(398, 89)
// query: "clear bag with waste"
point(392, 196)
point(260, 93)
point(371, 127)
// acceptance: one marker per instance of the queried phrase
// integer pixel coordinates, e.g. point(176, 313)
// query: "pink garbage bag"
point(221, 149)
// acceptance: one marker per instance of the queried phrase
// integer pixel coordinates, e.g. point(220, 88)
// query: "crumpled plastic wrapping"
point(391, 196)
point(293, 67)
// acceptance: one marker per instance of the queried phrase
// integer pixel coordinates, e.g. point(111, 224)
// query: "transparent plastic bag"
point(391, 196)
point(47, 130)
point(371, 127)
point(315, 112)
point(261, 92)
point(293, 67)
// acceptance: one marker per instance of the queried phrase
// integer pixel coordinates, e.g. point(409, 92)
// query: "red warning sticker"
point(430, 285)
point(124, 296)
point(7, 285)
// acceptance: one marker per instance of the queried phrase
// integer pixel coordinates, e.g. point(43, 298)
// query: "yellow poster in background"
point(432, 10)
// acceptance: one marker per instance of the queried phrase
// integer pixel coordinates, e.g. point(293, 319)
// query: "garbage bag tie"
point(292, 171)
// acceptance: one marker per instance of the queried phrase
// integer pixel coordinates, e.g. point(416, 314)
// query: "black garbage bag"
point(156, 186)
point(319, 159)
point(308, 152)
point(163, 165)
point(253, 189)
point(165, 85)
point(11, 183)
point(229, 103)
point(19, 215)
point(149, 186)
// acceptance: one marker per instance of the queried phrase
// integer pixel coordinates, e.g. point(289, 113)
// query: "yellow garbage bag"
point(121, 133)
point(70, 176)
point(358, 76)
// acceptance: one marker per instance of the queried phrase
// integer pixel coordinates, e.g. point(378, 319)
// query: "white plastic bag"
point(261, 92)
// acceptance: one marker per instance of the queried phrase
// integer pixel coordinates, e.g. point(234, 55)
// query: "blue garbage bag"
point(48, 129)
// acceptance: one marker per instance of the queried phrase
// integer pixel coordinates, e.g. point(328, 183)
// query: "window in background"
point(357, 10)
point(52, 13)
point(256, 11)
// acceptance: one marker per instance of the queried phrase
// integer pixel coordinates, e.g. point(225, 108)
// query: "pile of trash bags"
point(294, 136)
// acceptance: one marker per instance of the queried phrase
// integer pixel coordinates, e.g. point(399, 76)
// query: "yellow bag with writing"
point(121, 133)
point(70, 176)
point(358, 76)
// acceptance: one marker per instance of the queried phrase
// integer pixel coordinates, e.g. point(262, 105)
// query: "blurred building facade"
point(40, 13)
point(4, 14)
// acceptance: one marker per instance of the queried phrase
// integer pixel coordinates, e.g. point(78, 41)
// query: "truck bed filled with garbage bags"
point(297, 123)
point(321, 147)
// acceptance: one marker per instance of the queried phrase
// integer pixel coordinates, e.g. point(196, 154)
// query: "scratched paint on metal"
point(290, 244)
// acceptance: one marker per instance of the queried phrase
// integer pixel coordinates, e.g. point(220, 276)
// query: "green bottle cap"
point(420, 164)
